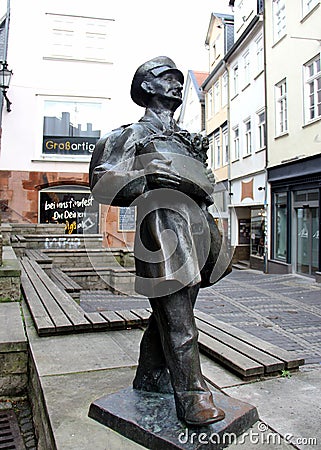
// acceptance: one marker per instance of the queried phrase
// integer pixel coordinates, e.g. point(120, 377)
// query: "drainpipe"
point(266, 210)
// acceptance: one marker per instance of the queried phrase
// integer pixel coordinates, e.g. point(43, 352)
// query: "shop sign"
point(78, 211)
point(56, 145)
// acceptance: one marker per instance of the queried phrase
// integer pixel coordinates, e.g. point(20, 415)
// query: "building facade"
point(192, 111)
point(219, 39)
point(293, 79)
point(247, 135)
point(61, 57)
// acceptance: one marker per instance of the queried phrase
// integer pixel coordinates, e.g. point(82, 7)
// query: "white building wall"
point(190, 117)
point(244, 106)
point(37, 77)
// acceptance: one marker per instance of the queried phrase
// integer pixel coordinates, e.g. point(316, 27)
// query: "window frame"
point(261, 125)
point(217, 150)
point(279, 19)
point(246, 67)
point(236, 143)
point(308, 6)
point(313, 80)
point(281, 108)
point(235, 80)
point(248, 137)
point(80, 32)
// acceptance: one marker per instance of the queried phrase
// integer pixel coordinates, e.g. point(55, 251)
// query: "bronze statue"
point(161, 169)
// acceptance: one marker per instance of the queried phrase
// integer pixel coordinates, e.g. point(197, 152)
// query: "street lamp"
point(5, 77)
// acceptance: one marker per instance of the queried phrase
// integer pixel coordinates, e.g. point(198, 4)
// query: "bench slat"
point(229, 357)
point(115, 321)
point(64, 279)
point(130, 318)
point(97, 320)
point(60, 300)
point(270, 363)
point(41, 318)
point(291, 361)
point(58, 317)
point(143, 314)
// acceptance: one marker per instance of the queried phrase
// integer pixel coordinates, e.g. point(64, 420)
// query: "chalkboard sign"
point(78, 211)
point(127, 218)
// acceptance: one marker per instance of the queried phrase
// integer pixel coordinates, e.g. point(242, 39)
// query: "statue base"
point(149, 419)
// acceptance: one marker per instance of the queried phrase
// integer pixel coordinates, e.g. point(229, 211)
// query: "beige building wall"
point(286, 58)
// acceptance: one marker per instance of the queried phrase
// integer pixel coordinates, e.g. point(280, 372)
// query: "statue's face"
point(167, 85)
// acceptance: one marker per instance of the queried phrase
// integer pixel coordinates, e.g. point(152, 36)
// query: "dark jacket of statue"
point(177, 241)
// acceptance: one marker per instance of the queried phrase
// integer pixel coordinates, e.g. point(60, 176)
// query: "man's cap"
point(153, 67)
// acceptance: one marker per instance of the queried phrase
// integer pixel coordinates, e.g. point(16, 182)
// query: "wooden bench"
point(40, 257)
point(54, 311)
point(64, 282)
point(243, 353)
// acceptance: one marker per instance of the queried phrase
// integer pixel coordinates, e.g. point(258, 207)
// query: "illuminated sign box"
point(56, 145)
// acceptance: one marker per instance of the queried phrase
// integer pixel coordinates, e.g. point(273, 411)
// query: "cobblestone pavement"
point(282, 309)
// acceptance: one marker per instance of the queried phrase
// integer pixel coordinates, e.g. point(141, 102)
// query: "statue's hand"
point(159, 173)
point(210, 175)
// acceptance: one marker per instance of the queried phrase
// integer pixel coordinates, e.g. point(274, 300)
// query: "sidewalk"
point(76, 369)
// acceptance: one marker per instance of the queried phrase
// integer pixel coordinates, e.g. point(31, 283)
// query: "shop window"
point(280, 226)
point(257, 232)
point(70, 128)
point(72, 206)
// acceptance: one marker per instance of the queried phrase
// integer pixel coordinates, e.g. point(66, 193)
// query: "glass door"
point(307, 240)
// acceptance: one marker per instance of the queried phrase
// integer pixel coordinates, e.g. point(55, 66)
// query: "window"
point(215, 54)
point(224, 89)
point(217, 150)
point(236, 143)
point(248, 137)
point(308, 5)
point(246, 67)
point(70, 128)
point(281, 108)
point(210, 103)
point(79, 38)
point(225, 146)
point(261, 129)
point(211, 152)
point(279, 20)
point(235, 80)
point(257, 232)
point(216, 97)
point(259, 54)
point(280, 226)
point(312, 88)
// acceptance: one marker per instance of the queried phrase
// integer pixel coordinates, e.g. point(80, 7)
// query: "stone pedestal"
point(150, 419)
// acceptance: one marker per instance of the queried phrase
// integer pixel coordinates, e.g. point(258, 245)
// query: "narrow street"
point(282, 309)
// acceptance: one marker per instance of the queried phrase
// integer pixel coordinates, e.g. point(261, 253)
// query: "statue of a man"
point(161, 169)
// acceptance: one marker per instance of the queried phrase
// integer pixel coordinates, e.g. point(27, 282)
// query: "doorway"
point(307, 255)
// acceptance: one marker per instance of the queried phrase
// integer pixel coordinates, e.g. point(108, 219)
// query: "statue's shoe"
point(197, 408)
point(156, 381)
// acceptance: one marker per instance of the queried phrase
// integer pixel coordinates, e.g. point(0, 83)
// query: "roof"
point(198, 78)
point(227, 22)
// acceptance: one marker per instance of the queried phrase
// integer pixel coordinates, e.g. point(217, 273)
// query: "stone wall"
point(10, 273)
point(19, 191)
point(13, 352)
